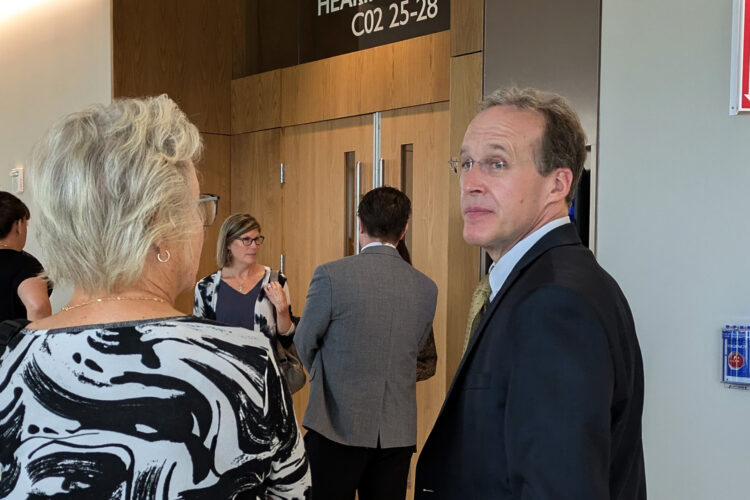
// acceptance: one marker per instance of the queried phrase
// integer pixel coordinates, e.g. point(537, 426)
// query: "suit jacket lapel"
point(560, 236)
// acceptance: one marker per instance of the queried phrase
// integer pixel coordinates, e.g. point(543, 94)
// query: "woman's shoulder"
point(208, 329)
point(213, 277)
point(19, 261)
point(198, 332)
point(169, 344)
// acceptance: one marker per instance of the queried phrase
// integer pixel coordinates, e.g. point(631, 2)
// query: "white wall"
point(674, 230)
point(55, 57)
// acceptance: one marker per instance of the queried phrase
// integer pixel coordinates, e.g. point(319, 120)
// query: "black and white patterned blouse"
point(208, 290)
point(170, 408)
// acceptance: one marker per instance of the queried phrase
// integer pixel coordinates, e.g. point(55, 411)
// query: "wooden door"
point(315, 209)
point(415, 150)
point(314, 212)
point(256, 188)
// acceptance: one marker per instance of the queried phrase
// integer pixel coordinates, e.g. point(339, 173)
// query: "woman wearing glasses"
point(119, 395)
point(244, 292)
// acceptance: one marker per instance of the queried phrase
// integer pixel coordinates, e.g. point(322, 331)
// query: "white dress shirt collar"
point(500, 270)
point(377, 244)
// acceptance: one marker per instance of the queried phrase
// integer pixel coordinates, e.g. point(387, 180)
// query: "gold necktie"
point(479, 302)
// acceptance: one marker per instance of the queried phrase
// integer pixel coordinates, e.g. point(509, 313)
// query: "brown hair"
point(233, 227)
point(563, 141)
point(11, 210)
point(384, 212)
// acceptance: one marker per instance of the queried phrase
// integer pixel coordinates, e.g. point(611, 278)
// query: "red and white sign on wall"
point(739, 100)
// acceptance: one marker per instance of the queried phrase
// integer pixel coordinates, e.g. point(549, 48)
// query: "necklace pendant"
point(241, 287)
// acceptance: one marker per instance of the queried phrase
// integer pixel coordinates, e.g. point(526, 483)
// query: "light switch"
point(16, 175)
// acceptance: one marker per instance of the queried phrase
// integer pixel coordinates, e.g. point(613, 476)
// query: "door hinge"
point(281, 263)
point(283, 174)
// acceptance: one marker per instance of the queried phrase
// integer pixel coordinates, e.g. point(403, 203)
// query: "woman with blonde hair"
point(244, 292)
point(119, 395)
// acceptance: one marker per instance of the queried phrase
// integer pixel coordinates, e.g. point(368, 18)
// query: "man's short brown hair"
point(563, 142)
point(384, 212)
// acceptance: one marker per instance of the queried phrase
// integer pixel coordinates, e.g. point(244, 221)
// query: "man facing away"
point(547, 401)
point(365, 319)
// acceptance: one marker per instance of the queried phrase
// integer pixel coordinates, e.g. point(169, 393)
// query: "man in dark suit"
point(365, 319)
point(547, 401)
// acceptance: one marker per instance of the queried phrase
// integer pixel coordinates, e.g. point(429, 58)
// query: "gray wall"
point(55, 58)
point(550, 45)
point(674, 229)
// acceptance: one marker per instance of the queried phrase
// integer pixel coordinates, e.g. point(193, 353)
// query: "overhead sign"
point(739, 100)
point(334, 27)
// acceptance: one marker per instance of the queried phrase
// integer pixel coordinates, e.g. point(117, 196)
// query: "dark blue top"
point(235, 308)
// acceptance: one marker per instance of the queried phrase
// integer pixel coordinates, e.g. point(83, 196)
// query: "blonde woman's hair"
point(233, 227)
point(110, 182)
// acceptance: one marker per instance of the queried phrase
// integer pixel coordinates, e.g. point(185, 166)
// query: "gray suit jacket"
point(365, 319)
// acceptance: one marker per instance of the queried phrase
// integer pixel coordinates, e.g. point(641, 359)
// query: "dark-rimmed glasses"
point(247, 241)
point(208, 204)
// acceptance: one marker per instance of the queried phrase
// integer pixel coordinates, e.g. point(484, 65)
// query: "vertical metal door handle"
point(358, 194)
point(377, 176)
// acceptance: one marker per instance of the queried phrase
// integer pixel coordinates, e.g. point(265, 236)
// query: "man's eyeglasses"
point(487, 167)
point(258, 240)
point(208, 204)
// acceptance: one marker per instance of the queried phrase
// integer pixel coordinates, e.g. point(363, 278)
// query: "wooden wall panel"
point(256, 102)
point(265, 35)
point(466, 93)
point(256, 189)
point(397, 75)
point(179, 47)
point(427, 128)
point(241, 9)
point(213, 175)
point(421, 71)
point(467, 26)
point(314, 195)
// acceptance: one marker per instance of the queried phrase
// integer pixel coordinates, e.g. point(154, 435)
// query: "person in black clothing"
point(547, 401)
point(23, 294)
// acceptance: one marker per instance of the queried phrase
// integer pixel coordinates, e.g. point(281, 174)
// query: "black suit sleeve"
point(558, 403)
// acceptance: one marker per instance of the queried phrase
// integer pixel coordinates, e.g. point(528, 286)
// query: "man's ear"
point(562, 180)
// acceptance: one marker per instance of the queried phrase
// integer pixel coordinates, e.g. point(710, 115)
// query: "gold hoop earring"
point(163, 259)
